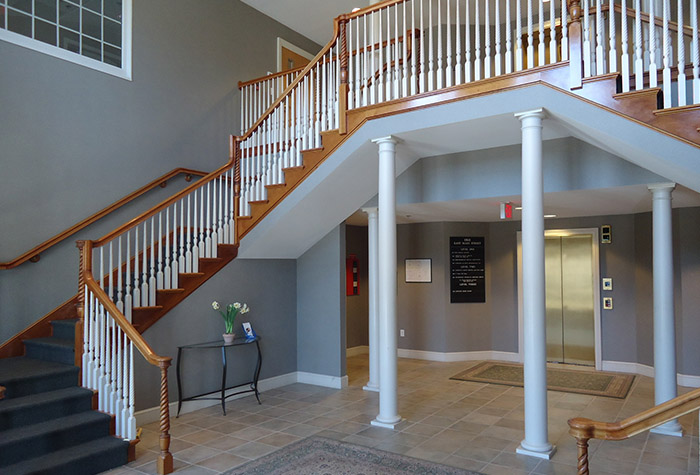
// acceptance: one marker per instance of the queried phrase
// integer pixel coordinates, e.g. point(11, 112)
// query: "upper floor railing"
point(257, 94)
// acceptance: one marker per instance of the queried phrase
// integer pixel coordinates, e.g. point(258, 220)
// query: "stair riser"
point(45, 352)
point(26, 448)
point(64, 329)
point(29, 386)
point(44, 411)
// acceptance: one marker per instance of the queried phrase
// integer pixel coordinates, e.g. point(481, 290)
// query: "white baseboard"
point(357, 350)
point(687, 380)
point(335, 382)
point(459, 356)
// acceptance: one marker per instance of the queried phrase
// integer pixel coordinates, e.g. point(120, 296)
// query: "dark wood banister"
point(585, 429)
point(165, 458)
point(34, 253)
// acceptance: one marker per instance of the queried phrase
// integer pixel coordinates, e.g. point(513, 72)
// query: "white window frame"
point(124, 72)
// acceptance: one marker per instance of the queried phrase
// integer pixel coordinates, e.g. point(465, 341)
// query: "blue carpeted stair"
point(47, 424)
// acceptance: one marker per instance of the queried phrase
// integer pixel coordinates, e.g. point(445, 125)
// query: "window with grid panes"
point(94, 33)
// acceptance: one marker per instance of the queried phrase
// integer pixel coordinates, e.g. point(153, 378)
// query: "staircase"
point(134, 275)
point(48, 423)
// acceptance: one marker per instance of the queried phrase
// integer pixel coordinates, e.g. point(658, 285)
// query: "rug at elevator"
point(318, 455)
point(594, 383)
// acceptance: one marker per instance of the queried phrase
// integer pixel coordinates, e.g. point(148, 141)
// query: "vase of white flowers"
point(229, 316)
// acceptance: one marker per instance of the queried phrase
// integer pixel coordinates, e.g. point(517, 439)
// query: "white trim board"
point(459, 355)
point(282, 43)
point(146, 416)
point(687, 380)
point(357, 350)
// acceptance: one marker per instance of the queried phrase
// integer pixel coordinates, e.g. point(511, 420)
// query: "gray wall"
point(74, 139)
point(432, 323)
point(268, 287)
point(321, 306)
point(357, 306)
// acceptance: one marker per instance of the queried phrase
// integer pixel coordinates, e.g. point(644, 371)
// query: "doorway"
point(572, 296)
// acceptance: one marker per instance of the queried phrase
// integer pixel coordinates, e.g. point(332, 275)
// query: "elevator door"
point(569, 299)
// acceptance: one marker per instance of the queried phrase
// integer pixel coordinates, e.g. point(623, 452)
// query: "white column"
point(534, 352)
point(664, 319)
point(373, 281)
point(388, 399)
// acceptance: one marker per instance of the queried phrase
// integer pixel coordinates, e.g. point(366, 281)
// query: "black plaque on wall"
point(467, 270)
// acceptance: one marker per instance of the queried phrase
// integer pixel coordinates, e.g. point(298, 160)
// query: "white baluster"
point(107, 388)
point(102, 381)
point(414, 44)
point(668, 94)
point(564, 32)
point(152, 285)
point(111, 274)
point(540, 24)
point(131, 423)
point(365, 65)
point(695, 51)
point(653, 68)
point(102, 268)
point(188, 247)
point(119, 302)
point(530, 37)
point(431, 68)
point(467, 43)
point(552, 33)
point(159, 274)
point(448, 72)
point(497, 25)
point(487, 39)
point(87, 325)
point(624, 60)
point(145, 291)
point(137, 275)
point(405, 35)
point(397, 71)
point(509, 40)
point(317, 123)
point(682, 98)
point(612, 35)
point(166, 267)
point(519, 37)
point(119, 390)
point(351, 80)
point(423, 64)
point(113, 372)
point(213, 211)
point(124, 416)
point(128, 301)
point(477, 42)
point(207, 240)
point(174, 264)
point(638, 47)
point(458, 58)
point(358, 67)
point(195, 242)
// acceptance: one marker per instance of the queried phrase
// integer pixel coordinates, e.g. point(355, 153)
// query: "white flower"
point(245, 308)
point(215, 305)
point(237, 305)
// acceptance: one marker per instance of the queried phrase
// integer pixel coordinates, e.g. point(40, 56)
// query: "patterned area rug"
point(595, 383)
point(318, 455)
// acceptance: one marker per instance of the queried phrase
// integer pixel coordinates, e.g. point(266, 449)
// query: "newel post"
point(575, 45)
point(343, 88)
point(582, 462)
point(165, 458)
point(235, 151)
point(80, 306)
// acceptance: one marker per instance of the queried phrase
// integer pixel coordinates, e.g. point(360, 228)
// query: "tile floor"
point(474, 426)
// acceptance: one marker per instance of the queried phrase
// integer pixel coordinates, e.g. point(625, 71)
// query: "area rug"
point(318, 455)
point(595, 383)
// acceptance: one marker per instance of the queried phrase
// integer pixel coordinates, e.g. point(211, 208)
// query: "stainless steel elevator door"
point(569, 299)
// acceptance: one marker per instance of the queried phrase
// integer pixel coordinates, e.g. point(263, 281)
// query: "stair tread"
point(61, 423)
point(21, 367)
point(39, 398)
point(51, 341)
point(51, 460)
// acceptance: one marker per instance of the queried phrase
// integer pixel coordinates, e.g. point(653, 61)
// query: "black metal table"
point(238, 342)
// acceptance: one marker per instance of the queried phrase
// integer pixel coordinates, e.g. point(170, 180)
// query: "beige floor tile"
point(196, 453)
point(278, 439)
point(221, 462)
point(463, 463)
point(226, 443)
point(252, 450)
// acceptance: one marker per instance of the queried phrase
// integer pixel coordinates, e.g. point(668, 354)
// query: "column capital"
point(387, 139)
point(536, 113)
point(661, 187)
point(371, 211)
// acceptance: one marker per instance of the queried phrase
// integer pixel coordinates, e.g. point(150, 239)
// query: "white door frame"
point(595, 248)
point(282, 43)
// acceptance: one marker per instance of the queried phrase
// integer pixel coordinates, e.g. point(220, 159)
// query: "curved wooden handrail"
point(585, 429)
point(242, 84)
point(34, 253)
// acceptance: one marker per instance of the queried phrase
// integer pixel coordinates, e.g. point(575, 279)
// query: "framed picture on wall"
point(419, 270)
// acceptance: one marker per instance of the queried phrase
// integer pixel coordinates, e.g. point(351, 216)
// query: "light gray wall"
point(321, 306)
point(357, 306)
point(268, 286)
point(74, 139)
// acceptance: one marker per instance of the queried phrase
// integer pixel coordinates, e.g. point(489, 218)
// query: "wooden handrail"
point(585, 429)
point(242, 84)
point(165, 458)
point(34, 253)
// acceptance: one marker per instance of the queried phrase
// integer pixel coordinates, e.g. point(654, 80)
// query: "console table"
point(224, 347)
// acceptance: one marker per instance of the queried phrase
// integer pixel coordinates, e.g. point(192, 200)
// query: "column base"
point(370, 386)
point(672, 428)
point(544, 452)
point(387, 425)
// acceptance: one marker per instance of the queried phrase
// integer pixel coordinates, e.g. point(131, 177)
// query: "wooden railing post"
point(575, 45)
point(165, 458)
point(235, 151)
point(582, 463)
point(343, 88)
point(80, 308)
